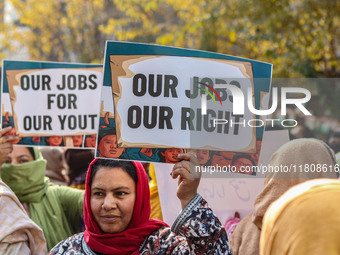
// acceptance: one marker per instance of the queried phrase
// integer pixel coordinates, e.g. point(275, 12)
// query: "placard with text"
point(51, 104)
point(172, 99)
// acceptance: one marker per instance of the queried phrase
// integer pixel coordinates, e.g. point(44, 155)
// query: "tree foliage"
point(300, 37)
point(60, 30)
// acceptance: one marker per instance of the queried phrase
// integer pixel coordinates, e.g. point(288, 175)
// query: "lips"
point(110, 218)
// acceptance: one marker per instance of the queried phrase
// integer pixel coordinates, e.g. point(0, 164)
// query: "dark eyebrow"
point(118, 188)
point(97, 188)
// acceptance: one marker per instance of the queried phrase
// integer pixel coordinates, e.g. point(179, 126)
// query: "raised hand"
point(5, 146)
point(188, 178)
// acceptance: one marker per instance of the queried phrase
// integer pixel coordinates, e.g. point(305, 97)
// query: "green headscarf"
point(56, 209)
point(27, 180)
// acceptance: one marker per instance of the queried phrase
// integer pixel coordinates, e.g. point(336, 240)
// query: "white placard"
point(55, 101)
point(152, 96)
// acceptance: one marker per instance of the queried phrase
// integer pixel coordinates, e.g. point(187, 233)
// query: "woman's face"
point(113, 195)
point(19, 155)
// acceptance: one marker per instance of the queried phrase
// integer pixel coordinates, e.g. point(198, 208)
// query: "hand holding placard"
point(188, 179)
point(5, 146)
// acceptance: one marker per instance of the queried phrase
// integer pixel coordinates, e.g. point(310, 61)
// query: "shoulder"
point(71, 245)
point(246, 237)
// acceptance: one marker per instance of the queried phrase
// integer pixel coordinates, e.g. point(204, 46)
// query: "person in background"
point(56, 168)
point(78, 161)
point(18, 233)
point(303, 221)
point(334, 140)
point(117, 214)
point(300, 131)
point(231, 224)
point(56, 209)
point(337, 158)
point(298, 152)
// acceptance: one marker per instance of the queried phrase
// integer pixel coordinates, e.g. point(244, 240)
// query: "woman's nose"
point(109, 203)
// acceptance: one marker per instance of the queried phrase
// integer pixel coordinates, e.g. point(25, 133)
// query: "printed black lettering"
point(27, 123)
point(207, 122)
point(72, 122)
point(63, 83)
point(165, 115)
point(82, 82)
point(155, 92)
point(72, 98)
point(37, 122)
point(134, 116)
point(92, 117)
point(150, 121)
point(139, 85)
point(187, 118)
point(46, 79)
point(71, 82)
point(170, 84)
point(93, 84)
point(62, 119)
point(47, 122)
point(194, 93)
point(50, 100)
